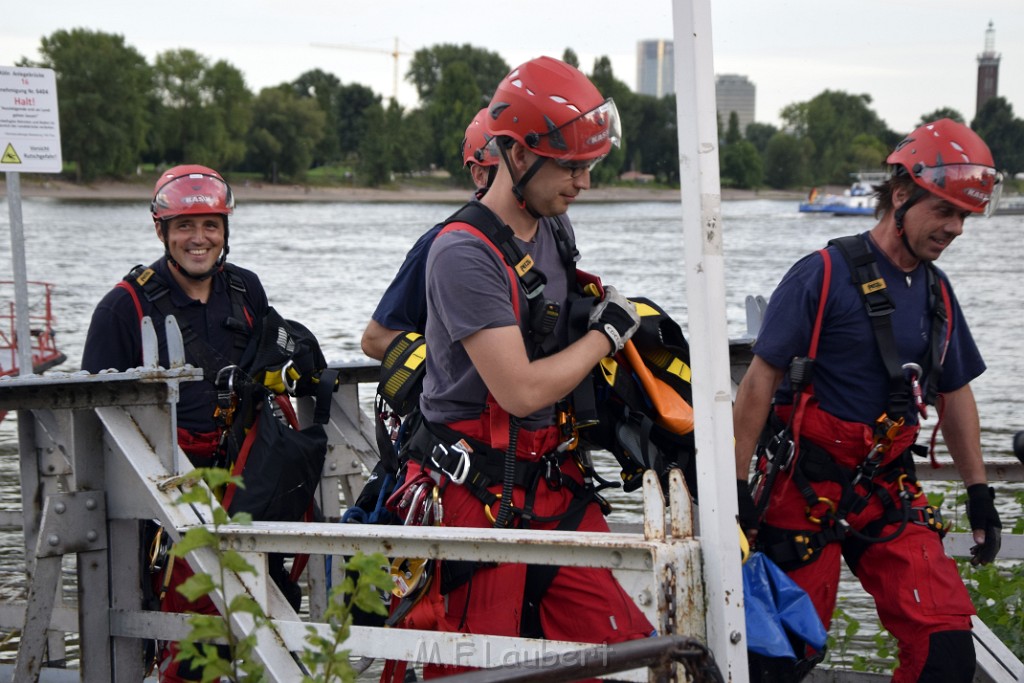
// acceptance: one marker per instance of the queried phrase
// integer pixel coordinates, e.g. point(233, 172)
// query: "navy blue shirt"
point(850, 380)
point(404, 303)
point(115, 341)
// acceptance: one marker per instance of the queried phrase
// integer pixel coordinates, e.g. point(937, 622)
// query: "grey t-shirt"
point(468, 290)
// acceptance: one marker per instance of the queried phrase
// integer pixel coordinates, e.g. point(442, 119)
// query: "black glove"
point(615, 317)
point(747, 511)
point(981, 511)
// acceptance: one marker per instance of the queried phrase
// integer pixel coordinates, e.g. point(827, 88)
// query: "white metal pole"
point(709, 339)
point(21, 327)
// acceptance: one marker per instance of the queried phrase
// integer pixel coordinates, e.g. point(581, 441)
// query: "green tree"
point(285, 131)
point(354, 101)
point(486, 69)
point(204, 111)
point(940, 113)
point(732, 133)
point(759, 134)
point(570, 57)
point(325, 89)
point(831, 121)
point(654, 145)
point(1003, 133)
point(104, 91)
point(456, 103)
point(741, 165)
point(785, 161)
point(374, 149)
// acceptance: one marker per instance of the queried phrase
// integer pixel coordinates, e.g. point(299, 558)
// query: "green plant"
point(365, 579)
point(213, 648)
point(235, 660)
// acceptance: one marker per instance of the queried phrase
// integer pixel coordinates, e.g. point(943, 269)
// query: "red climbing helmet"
point(555, 111)
point(949, 160)
point(477, 145)
point(191, 189)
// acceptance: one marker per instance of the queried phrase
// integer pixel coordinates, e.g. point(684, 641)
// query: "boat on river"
point(857, 200)
point(45, 354)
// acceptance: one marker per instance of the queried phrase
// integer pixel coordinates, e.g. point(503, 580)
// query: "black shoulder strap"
point(879, 305)
point(156, 291)
point(501, 236)
point(942, 327)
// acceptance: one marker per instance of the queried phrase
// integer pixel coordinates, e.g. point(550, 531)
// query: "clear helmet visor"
point(972, 187)
point(590, 136)
point(195, 193)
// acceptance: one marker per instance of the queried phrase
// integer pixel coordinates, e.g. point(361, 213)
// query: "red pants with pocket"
point(582, 604)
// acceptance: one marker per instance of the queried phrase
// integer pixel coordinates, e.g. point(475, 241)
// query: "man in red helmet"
point(842, 376)
point(217, 305)
point(497, 433)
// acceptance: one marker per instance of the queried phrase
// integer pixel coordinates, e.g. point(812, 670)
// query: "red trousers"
point(916, 587)
point(582, 604)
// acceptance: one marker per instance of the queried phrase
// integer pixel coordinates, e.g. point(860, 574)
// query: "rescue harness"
point(781, 448)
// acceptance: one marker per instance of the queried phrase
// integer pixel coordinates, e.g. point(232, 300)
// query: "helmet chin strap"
point(520, 185)
point(899, 214)
point(203, 276)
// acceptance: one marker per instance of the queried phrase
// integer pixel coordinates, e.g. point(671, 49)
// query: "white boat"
point(857, 200)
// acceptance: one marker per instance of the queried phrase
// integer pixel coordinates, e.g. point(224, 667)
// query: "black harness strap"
point(157, 292)
point(871, 285)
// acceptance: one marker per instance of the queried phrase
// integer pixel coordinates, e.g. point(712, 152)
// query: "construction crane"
point(395, 54)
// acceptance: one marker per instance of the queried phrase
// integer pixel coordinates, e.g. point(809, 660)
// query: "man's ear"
point(900, 194)
point(159, 230)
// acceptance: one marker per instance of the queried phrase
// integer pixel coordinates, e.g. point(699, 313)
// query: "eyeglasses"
point(576, 167)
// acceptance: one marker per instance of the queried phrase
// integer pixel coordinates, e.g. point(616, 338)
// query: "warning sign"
point(10, 156)
point(29, 122)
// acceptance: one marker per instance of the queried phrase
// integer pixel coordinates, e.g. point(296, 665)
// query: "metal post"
point(22, 330)
point(709, 339)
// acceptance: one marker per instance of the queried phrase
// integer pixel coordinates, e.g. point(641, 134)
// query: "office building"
point(655, 68)
point(988, 70)
point(735, 93)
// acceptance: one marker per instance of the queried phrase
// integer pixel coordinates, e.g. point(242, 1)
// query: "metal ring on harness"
point(487, 509)
point(826, 501)
point(289, 384)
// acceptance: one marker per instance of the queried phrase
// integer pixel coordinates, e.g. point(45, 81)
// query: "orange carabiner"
point(487, 510)
point(817, 520)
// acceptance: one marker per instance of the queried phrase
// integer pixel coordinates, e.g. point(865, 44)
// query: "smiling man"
point(858, 341)
point(219, 307)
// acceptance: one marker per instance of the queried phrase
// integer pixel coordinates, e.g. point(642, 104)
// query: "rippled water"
point(326, 265)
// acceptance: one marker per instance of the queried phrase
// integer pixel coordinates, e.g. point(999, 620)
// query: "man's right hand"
point(615, 317)
point(747, 510)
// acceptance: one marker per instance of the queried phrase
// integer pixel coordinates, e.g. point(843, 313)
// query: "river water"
point(326, 265)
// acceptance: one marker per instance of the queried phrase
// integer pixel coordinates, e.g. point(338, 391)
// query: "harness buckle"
point(452, 461)
point(552, 473)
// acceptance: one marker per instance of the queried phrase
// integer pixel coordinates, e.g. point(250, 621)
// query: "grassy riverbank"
point(438, 191)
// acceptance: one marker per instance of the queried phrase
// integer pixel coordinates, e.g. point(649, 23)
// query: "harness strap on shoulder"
point(879, 305)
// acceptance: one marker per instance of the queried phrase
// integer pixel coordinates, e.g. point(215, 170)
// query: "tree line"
point(117, 112)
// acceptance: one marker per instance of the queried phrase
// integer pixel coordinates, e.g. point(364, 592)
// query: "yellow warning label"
point(10, 156)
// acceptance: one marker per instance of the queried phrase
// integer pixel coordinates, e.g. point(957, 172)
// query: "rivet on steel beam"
point(90, 503)
point(53, 539)
point(91, 535)
point(60, 508)
point(735, 637)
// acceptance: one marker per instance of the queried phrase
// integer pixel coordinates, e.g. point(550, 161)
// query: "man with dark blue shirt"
point(218, 307)
point(857, 341)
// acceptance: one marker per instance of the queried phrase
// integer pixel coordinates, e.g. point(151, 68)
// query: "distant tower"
point(655, 68)
point(988, 70)
point(735, 93)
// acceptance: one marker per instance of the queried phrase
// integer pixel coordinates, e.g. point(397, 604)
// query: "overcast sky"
point(911, 56)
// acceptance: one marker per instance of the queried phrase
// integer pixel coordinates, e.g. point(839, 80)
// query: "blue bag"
point(776, 608)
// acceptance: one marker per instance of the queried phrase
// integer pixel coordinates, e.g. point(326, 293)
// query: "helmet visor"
point(972, 187)
point(195, 193)
point(589, 136)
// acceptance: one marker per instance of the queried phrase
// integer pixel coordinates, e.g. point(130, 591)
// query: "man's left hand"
point(988, 530)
